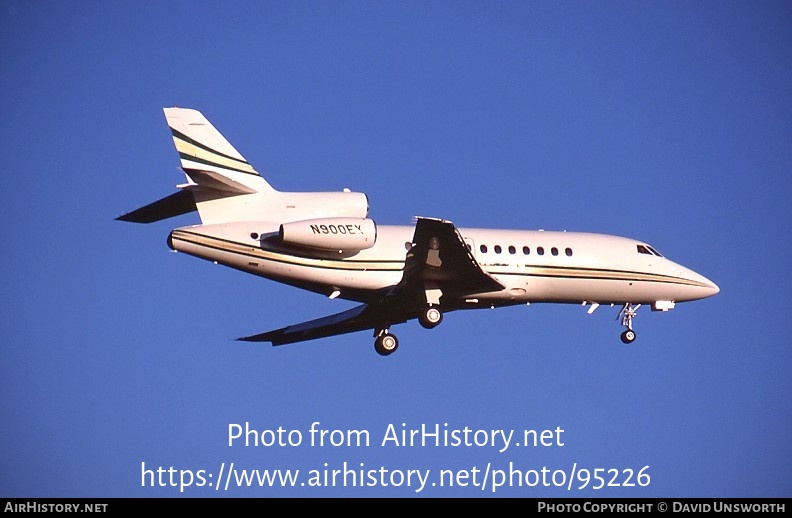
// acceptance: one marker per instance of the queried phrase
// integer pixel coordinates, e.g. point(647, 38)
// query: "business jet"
point(325, 242)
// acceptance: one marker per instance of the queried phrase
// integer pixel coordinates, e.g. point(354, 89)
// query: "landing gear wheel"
point(430, 317)
point(386, 344)
point(628, 336)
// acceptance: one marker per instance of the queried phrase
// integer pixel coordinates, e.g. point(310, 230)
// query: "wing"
point(365, 316)
point(440, 258)
point(438, 262)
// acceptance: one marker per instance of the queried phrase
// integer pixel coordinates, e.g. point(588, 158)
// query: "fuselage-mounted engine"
point(338, 234)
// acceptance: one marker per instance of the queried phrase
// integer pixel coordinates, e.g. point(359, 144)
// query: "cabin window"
point(526, 250)
point(554, 251)
point(483, 249)
point(568, 252)
point(540, 250)
point(468, 247)
point(512, 250)
point(497, 249)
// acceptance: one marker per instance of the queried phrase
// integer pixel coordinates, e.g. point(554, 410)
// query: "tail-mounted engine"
point(331, 233)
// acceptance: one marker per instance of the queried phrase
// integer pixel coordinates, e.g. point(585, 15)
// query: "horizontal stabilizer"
point(218, 182)
point(178, 203)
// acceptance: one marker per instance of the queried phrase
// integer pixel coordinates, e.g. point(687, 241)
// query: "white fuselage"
point(534, 266)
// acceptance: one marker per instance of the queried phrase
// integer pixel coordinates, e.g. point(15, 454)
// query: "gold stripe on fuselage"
point(357, 265)
point(571, 272)
point(234, 247)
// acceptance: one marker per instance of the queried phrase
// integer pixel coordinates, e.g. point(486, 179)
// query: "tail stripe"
point(192, 151)
point(178, 134)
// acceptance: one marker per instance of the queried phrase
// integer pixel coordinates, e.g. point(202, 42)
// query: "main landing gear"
point(430, 316)
point(627, 313)
point(386, 343)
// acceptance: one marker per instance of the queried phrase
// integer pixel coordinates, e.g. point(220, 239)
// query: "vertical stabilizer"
point(221, 181)
point(207, 157)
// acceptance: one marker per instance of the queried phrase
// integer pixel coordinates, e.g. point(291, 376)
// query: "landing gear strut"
point(627, 313)
point(385, 343)
point(430, 316)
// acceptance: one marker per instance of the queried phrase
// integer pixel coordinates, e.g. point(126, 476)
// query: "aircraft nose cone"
point(698, 286)
point(707, 287)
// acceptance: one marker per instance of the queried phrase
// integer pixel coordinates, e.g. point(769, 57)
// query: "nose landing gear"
point(627, 314)
point(628, 336)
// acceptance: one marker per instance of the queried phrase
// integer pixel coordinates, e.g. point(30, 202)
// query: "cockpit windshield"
point(648, 250)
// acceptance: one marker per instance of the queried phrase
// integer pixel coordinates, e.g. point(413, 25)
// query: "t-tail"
point(223, 187)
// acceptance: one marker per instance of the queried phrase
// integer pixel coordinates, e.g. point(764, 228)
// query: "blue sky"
point(668, 122)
